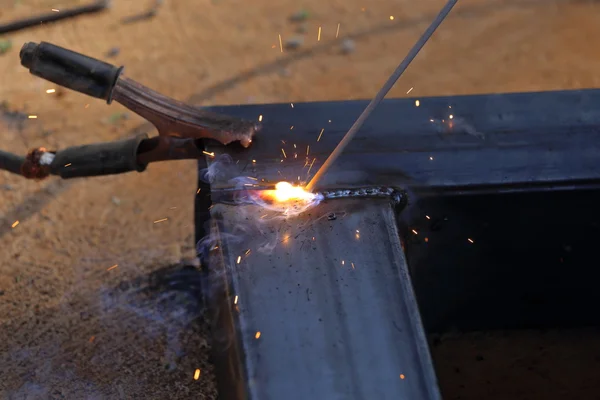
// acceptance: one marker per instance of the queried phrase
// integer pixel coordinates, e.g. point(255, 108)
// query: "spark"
point(197, 374)
point(160, 220)
point(417, 103)
point(235, 300)
point(294, 145)
point(352, 265)
point(402, 376)
point(208, 153)
point(32, 116)
point(257, 335)
point(55, 10)
point(428, 217)
point(284, 155)
point(337, 32)
point(415, 232)
point(321, 134)
point(198, 191)
point(357, 235)
point(253, 161)
point(239, 259)
point(426, 240)
point(291, 127)
point(307, 149)
point(247, 252)
point(391, 17)
point(409, 90)
point(431, 158)
point(50, 91)
point(470, 240)
point(113, 267)
point(343, 262)
point(280, 44)
point(292, 104)
point(260, 118)
point(68, 165)
point(14, 225)
point(319, 35)
point(311, 165)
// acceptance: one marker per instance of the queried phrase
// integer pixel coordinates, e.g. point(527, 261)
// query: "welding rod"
point(382, 93)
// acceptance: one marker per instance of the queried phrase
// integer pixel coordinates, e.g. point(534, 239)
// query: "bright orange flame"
point(285, 191)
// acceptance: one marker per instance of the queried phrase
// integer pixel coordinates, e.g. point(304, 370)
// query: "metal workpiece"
point(315, 306)
point(439, 142)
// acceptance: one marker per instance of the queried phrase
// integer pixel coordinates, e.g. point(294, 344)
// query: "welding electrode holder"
point(72, 70)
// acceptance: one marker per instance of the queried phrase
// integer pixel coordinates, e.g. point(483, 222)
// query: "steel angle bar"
point(318, 306)
point(444, 142)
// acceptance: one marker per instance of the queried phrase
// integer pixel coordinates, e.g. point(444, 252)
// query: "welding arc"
point(381, 94)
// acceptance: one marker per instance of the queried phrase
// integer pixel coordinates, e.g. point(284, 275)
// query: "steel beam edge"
point(327, 313)
point(455, 141)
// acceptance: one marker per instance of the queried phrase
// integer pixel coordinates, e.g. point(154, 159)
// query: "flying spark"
point(337, 32)
point(280, 44)
point(50, 91)
point(235, 300)
point(292, 104)
point(113, 267)
point(402, 376)
point(32, 116)
point(197, 374)
point(14, 225)
point(321, 134)
point(470, 240)
point(208, 153)
point(409, 90)
point(415, 232)
point(198, 191)
point(352, 265)
point(319, 35)
point(428, 217)
point(55, 10)
point(239, 259)
point(257, 335)
point(260, 118)
point(284, 155)
point(431, 158)
point(68, 165)
point(160, 220)
point(451, 116)
point(417, 103)
point(307, 149)
point(311, 165)
point(391, 17)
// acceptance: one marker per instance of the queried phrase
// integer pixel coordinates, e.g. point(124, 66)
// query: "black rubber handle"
point(98, 159)
point(70, 69)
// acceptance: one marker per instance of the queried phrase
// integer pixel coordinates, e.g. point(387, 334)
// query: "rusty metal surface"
point(509, 139)
point(331, 298)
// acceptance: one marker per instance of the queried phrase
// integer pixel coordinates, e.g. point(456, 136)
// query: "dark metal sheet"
point(491, 139)
point(334, 307)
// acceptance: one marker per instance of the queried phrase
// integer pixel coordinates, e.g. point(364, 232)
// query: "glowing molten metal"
point(287, 199)
point(285, 192)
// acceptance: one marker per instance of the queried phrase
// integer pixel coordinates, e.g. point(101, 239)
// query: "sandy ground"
point(72, 328)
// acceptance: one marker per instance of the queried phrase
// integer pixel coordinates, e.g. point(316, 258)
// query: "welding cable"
point(11, 162)
point(88, 160)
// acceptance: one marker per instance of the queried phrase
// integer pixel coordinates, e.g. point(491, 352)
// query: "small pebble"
point(113, 52)
point(294, 43)
point(302, 28)
point(300, 16)
point(348, 46)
